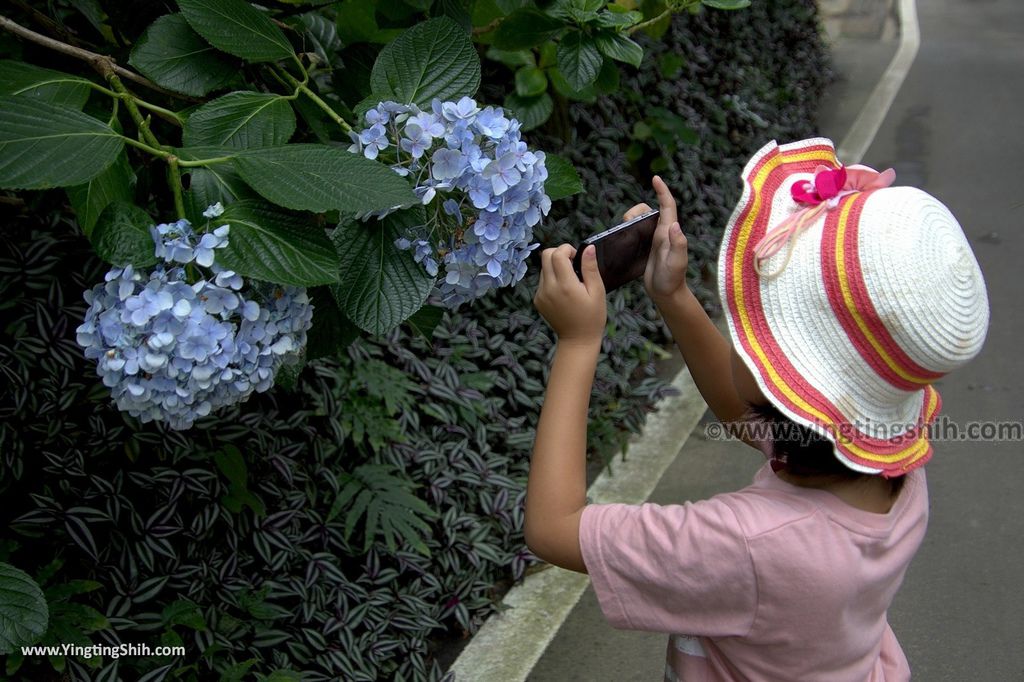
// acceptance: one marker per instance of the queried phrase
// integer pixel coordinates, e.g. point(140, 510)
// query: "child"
point(846, 299)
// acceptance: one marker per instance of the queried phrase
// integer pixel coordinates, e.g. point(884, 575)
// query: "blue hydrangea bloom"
point(488, 184)
point(172, 350)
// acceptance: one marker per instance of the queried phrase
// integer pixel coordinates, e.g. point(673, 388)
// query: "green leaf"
point(380, 286)
point(530, 81)
point(357, 23)
point(184, 612)
point(425, 320)
point(618, 19)
point(563, 180)
point(526, 28)
point(391, 508)
point(530, 111)
point(207, 186)
point(562, 87)
point(619, 47)
point(511, 58)
point(331, 332)
point(172, 55)
point(238, 28)
point(272, 245)
point(607, 78)
point(121, 236)
point(231, 463)
point(43, 146)
point(241, 120)
point(23, 611)
point(315, 177)
point(237, 672)
point(434, 58)
point(578, 59)
point(726, 4)
point(45, 85)
point(116, 183)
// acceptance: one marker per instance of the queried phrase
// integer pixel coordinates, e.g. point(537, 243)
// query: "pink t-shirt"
point(771, 582)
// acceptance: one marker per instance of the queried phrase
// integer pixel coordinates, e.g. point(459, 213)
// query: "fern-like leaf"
point(392, 510)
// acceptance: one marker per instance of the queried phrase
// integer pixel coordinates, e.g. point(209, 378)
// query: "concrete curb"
point(509, 644)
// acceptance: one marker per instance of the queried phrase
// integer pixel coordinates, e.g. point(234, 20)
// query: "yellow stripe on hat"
point(916, 449)
point(851, 306)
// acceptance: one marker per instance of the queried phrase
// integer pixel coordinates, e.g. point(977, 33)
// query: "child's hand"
point(576, 310)
point(666, 266)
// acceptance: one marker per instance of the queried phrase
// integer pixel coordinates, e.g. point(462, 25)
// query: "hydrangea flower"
point(482, 187)
point(172, 349)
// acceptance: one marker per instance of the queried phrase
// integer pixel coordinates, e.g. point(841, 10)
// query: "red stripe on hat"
point(763, 332)
point(833, 281)
point(868, 313)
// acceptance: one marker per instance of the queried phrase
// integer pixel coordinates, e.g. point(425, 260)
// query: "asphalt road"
point(956, 129)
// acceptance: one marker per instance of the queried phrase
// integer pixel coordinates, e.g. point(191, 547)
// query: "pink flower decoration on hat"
point(827, 185)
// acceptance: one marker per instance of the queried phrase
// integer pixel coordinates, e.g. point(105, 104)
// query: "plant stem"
point(300, 86)
point(146, 148)
point(129, 104)
point(644, 24)
point(94, 59)
point(174, 179)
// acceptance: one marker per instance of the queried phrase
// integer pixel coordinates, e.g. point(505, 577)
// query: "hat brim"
point(752, 306)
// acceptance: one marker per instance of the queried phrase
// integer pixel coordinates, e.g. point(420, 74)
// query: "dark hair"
point(804, 452)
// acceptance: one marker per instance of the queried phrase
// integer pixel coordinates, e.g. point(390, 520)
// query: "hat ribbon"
point(817, 196)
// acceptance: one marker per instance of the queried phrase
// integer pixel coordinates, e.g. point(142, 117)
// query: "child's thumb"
point(591, 273)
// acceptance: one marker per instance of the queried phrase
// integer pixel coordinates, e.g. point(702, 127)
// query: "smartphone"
point(622, 250)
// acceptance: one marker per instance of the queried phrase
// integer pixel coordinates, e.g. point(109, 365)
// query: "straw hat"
point(847, 298)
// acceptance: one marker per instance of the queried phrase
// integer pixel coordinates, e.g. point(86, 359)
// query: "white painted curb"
point(508, 645)
point(853, 147)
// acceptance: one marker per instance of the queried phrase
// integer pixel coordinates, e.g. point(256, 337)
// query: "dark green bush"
point(231, 539)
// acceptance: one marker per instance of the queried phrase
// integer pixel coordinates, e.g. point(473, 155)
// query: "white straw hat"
point(847, 298)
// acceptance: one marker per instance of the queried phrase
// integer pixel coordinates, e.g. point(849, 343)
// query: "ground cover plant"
point(363, 515)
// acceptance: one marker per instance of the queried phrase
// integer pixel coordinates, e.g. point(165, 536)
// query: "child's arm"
point(705, 350)
point(556, 491)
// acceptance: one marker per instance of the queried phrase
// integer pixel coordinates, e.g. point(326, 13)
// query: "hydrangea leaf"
point(215, 183)
point(43, 145)
point(116, 183)
point(46, 85)
point(172, 55)
point(122, 236)
point(530, 81)
point(272, 245)
point(425, 320)
point(619, 47)
point(578, 58)
point(563, 180)
point(380, 286)
point(241, 120)
point(314, 177)
point(434, 58)
point(530, 111)
point(23, 611)
point(331, 332)
point(238, 28)
point(526, 28)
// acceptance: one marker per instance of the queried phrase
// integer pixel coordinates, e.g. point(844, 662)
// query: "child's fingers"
point(562, 264)
point(666, 203)
point(637, 210)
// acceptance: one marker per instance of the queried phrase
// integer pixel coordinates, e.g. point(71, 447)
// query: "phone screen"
point(622, 250)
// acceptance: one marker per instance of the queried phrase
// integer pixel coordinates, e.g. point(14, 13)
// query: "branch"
point(94, 59)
